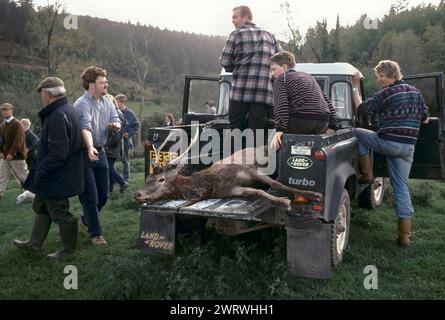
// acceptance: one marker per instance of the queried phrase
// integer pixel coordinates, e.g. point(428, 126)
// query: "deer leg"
point(252, 193)
point(279, 186)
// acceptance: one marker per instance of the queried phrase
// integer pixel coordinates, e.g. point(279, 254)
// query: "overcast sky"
point(213, 17)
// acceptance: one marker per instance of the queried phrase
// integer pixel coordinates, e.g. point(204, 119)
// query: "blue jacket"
point(57, 172)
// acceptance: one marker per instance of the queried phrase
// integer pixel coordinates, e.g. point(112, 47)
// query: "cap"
point(50, 82)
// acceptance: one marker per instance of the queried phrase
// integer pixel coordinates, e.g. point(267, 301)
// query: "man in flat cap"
point(57, 172)
point(12, 149)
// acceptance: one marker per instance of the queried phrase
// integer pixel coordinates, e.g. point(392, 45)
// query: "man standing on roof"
point(247, 55)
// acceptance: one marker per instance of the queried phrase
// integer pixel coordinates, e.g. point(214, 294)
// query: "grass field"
point(222, 267)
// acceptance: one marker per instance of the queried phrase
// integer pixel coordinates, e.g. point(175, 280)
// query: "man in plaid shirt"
point(247, 55)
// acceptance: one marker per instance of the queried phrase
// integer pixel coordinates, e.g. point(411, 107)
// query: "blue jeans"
point(114, 175)
point(126, 161)
point(399, 158)
point(94, 198)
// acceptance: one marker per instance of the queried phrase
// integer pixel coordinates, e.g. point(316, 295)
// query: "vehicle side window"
point(341, 100)
point(202, 91)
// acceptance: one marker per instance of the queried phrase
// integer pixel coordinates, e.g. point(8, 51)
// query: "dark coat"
point(113, 147)
point(32, 143)
point(57, 172)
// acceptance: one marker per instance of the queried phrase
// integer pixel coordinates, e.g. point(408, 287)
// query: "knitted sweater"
point(401, 109)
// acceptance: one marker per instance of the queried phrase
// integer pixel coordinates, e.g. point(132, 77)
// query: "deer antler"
point(185, 153)
point(158, 150)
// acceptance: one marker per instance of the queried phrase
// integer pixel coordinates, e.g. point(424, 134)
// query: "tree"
point(334, 44)
point(47, 25)
point(294, 37)
point(405, 47)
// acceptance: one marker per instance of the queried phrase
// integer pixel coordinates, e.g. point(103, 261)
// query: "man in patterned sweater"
point(401, 110)
point(247, 55)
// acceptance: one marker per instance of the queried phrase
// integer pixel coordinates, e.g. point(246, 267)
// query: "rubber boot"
point(42, 224)
point(365, 163)
point(405, 232)
point(68, 235)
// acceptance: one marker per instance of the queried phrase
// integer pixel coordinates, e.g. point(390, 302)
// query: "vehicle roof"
point(337, 68)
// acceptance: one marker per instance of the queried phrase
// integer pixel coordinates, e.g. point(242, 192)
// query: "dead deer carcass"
point(219, 181)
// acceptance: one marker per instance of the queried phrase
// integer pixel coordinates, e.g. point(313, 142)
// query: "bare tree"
point(47, 26)
point(295, 41)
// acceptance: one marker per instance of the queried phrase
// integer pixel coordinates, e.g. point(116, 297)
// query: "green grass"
point(222, 267)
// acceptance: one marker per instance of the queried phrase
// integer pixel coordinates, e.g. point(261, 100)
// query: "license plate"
point(301, 151)
point(164, 159)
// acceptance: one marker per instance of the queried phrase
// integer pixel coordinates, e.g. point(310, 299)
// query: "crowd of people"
point(80, 144)
point(75, 156)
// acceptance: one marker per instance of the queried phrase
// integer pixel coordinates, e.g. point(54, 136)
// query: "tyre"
point(340, 229)
point(372, 196)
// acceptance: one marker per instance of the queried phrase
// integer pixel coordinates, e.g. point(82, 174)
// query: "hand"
point(357, 77)
point(277, 140)
point(126, 136)
point(8, 157)
point(329, 131)
point(93, 155)
point(2, 156)
point(426, 121)
point(115, 127)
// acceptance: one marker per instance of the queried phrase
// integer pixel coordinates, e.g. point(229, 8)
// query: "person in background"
point(113, 150)
point(57, 172)
point(210, 107)
point(130, 129)
point(169, 120)
point(12, 149)
point(300, 106)
point(32, 142)
point(401, 110)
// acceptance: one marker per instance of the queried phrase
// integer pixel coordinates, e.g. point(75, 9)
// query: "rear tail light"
point(300, 199)
point(319, 155)
point(317, 207)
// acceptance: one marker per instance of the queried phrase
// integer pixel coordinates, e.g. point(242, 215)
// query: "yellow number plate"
point(164, 159)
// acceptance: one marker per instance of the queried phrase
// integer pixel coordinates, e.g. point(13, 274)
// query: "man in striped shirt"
point(300, 106)
point(246, 55)
point(401, 110)
point(131, 127)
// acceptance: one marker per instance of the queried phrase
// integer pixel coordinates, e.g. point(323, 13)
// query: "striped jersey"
point(298, 95)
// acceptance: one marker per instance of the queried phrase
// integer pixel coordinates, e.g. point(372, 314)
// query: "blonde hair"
point(390, 69)
point(26, 123)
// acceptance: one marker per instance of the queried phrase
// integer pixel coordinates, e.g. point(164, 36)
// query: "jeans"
point(126, 161)
point(94, 198)
point(306, 126)
point(113, 174)
point(399, 158)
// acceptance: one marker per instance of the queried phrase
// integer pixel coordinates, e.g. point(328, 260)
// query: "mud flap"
point(309, 249)
point(157, 231)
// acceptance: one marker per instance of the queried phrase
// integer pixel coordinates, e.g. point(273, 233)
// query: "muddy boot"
point(365, 163)
point(42, 224)
point(68, 235)
point(405, 227)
